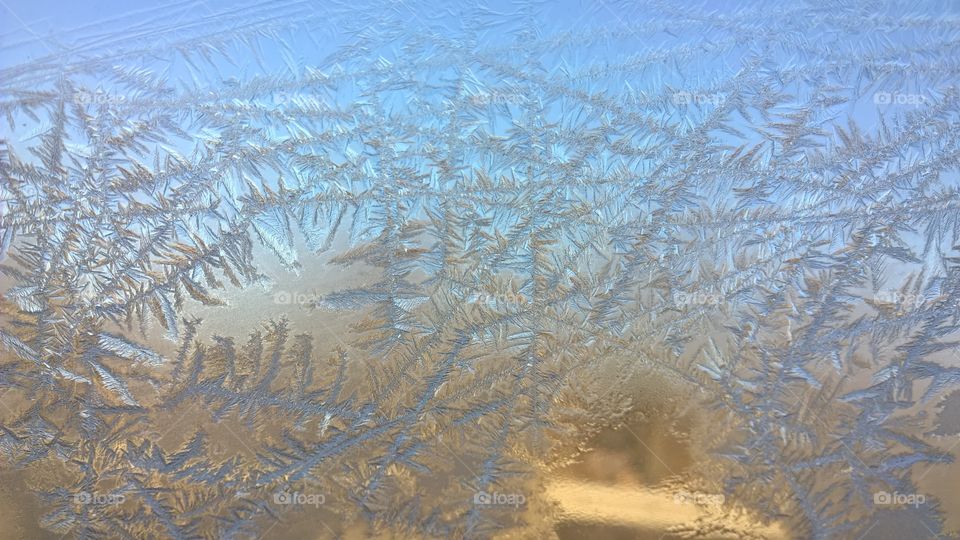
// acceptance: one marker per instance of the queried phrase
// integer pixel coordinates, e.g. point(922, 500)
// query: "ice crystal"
point(520, 222)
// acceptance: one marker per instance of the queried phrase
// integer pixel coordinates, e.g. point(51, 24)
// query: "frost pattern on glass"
point(477, 232)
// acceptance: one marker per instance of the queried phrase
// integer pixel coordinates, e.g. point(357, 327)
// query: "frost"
point(526, 229)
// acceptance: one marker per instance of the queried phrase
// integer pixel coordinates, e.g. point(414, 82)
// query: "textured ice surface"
point(605, 269)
